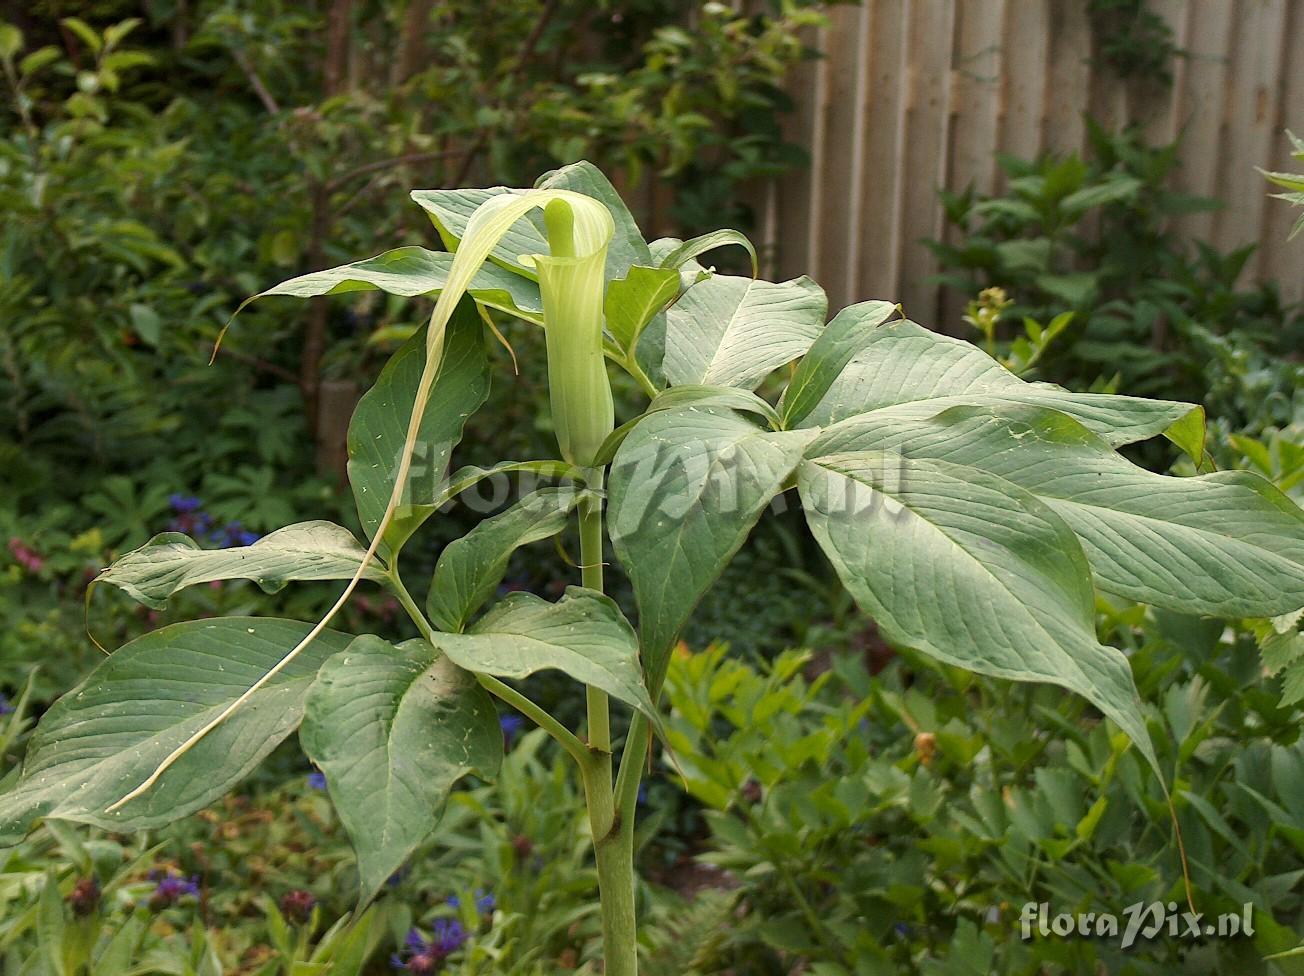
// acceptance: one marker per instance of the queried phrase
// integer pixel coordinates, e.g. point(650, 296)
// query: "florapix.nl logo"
point(1142, 921)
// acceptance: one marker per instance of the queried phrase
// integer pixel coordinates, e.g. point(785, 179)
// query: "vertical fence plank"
point(917, 94)
point(1068, 76)
point(838, 201)
point(1252, 93)
point(1027, 45)
point(1280, 260)
point(974, 119)
point(975, 94)
point(1200, 105)
point(932, 25)
point(884, 173)
point(792, 199)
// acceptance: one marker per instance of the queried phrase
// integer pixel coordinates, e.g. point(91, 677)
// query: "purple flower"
point(297, 905)
point(420, 955)
point(5, 707)
point(317, 780)
point(183, 504)
point(484, 901)
point(247, 538)
point(170, 888)
point(511, 726)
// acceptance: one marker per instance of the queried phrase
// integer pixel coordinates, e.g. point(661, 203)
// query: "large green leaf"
point(172, 561)
point(393, 728)
point(961, 565)
point(904, 367)
point(411, 271)
point(686, 488)
point(584, 635)
point(1228, 543)
point(107, 735)
point(470, 568)
point(379, 425)
point(728, 331)
point(841, 339)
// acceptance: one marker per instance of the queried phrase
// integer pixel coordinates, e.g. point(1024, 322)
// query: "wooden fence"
point(914, 95)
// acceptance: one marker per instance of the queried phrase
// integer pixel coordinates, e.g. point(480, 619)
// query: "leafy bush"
point(899, 823)
point(999, 505)
point(1091, 236)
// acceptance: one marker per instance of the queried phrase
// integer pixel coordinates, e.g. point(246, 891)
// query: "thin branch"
point(255, 80)
point(384, 164)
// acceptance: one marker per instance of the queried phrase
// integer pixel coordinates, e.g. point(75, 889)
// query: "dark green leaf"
point(841, 339)
point(584, 635)
point(963, 566)
point(380, 422)
point(1228, 543)
point(686, 488)
point(107, 735)
point(393, 728)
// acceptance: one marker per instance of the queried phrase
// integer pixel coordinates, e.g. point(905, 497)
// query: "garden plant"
point(973, 515)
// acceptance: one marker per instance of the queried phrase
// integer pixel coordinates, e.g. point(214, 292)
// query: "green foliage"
point(1093, 236)
point(1133, 41)
point(970, 513)
point(156, 171)
point(1293, 183)
point(899, 823)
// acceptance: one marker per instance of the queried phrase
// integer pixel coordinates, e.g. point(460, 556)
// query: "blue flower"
point(183, 504)
point(642, 794)
point(247, 538)
point(317, 780)
point(170, 888)
point(511, 726)
point(484, 901)
point(5, 707)
point(420, 955)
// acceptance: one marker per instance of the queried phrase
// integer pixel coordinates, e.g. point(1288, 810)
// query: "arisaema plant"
point(971, 514)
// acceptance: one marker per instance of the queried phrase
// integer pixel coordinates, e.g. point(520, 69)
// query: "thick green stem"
point(614, 857)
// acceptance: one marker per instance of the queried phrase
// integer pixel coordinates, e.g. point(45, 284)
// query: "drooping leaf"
point(1227, 543)
point(379, 425)
point(691, 250)
point(411, 271)
point(633, 301)
point(961, 565)
point(728, 331)
point(686, 488)
point(470, 568)
point(914, 372)
point(841, 339)
point(171, 561)
point(583, 635)
point(393, 728)
point(108, 734)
